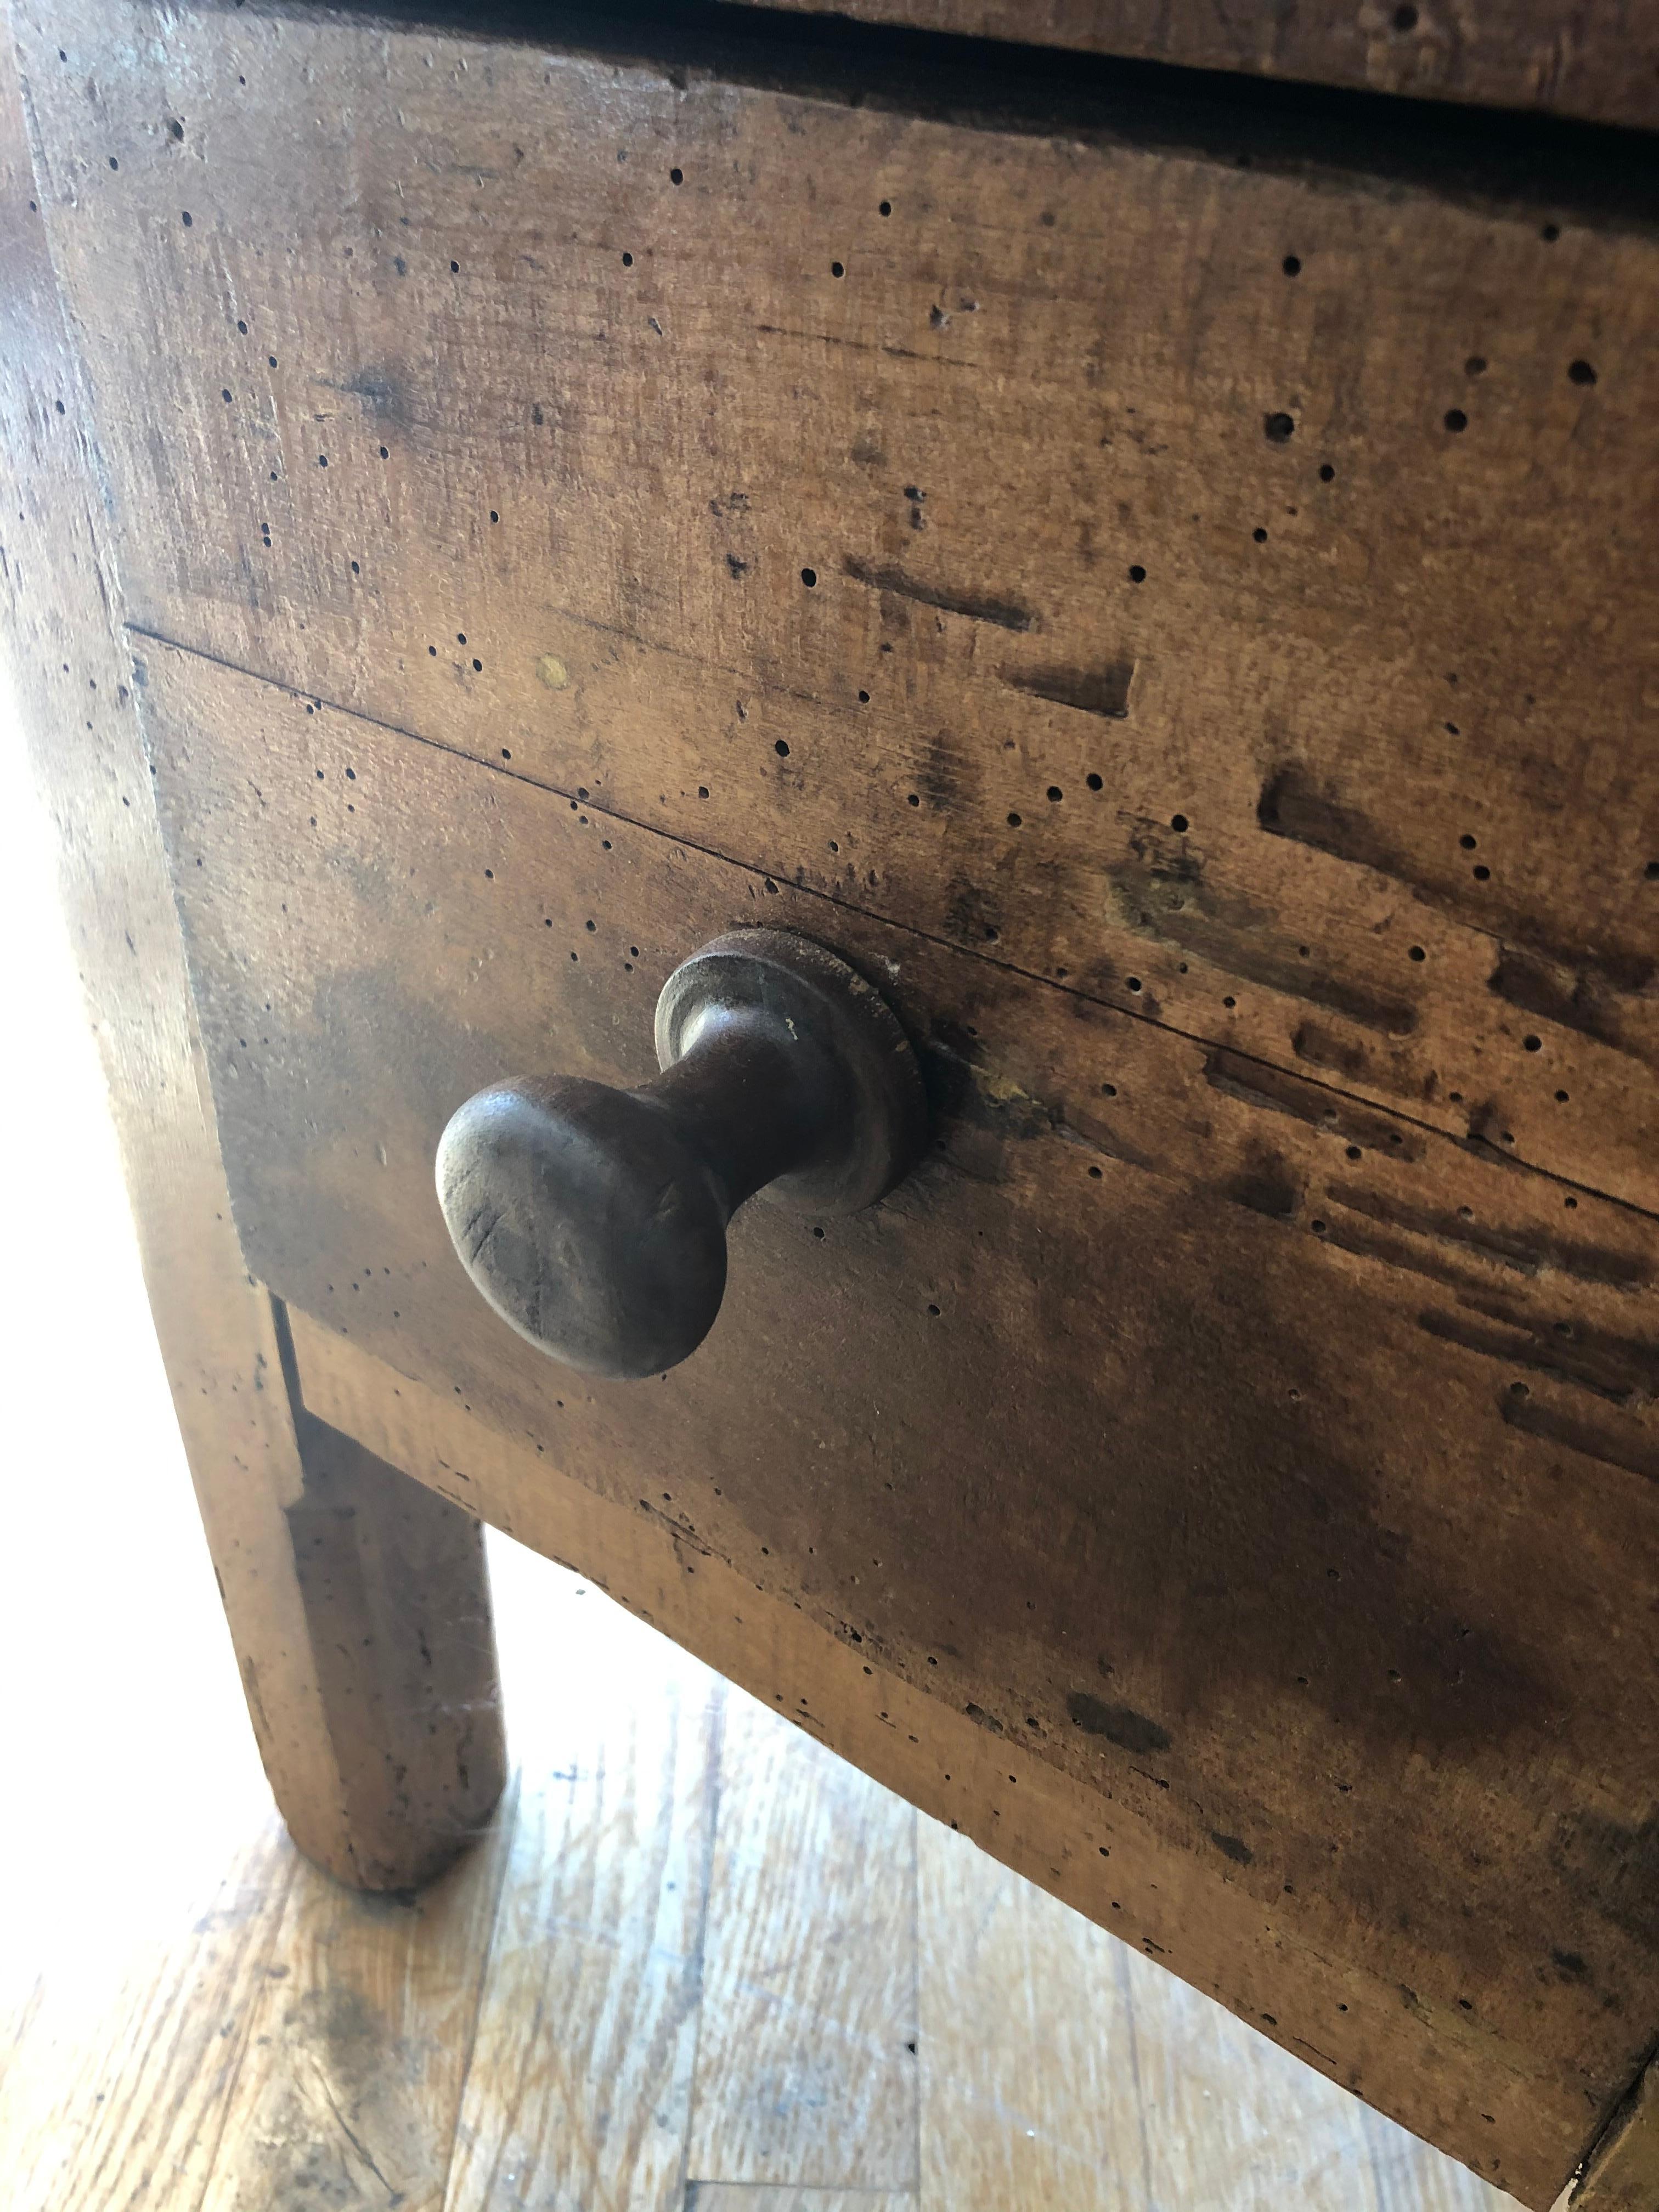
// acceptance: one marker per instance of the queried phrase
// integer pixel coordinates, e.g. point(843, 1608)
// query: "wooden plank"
point(1314, 599)
point(1600, 62)
point(1058, 2067)
point(350, 2084)
point(806, 2053)
point(70, 671)
point(1262, 1956)
point(118, 2067)
point(1622, 2174)
point(718, 2197)
point(578, 2092)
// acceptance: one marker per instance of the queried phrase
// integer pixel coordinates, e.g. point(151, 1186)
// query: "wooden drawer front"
point(1415, 719)
point(635, 508)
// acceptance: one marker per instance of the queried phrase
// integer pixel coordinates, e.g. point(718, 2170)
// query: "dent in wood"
point(1006, 614)
point(1101, 690)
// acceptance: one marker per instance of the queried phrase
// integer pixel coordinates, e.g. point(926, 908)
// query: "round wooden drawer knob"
point(594, 1219)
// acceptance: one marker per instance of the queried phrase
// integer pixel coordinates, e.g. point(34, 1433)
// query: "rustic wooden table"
point(1153, 570)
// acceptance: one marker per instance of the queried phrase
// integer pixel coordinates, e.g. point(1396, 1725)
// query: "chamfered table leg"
point(357, 1600)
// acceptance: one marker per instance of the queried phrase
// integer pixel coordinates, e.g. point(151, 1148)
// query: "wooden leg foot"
point(392, 1582)
point(359, 1605)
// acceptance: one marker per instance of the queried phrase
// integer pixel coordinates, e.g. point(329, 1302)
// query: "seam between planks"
point(507, 1816)
point(278, 1916)
point(1358, 1099)
point(686, 2190)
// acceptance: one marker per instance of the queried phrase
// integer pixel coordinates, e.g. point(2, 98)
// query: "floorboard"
point(807, 2065)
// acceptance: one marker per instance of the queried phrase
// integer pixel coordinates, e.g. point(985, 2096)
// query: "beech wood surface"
point(1600, 61)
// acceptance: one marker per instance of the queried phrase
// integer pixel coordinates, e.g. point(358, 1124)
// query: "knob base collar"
point(848, 1052)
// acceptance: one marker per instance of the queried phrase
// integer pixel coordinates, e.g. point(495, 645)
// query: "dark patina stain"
point(1613, 1867)
point(945, 773)
point(1163, 892)
point(1118, 1725)
point(1293, 803)
point(1629, 1448)
point(1528, 1251)
point(380, 394)
point(978, 1121)
point(971, 914)
point(1584, 996)
point(1341, 1055)
point(1278, 1090)
point(1265, 1186)
point(1007, 614)
point(1611, 1368)
point(1233, 1847)
point(1103, 690)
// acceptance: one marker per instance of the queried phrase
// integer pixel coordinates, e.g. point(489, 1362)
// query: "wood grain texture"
point(834, 2108)
point(741, 2196)
point(117, 2073)
point(1060, 2068)
point(1182, 1910)
point(70, 669)
point(1622, 2174)
point(580, 2089)
point(397, 1610)
point(1376, 1434)
point(350, 2087)
point(1406, 1604)
point(167, 1738)
point(1314, 600)
point(1602, 62)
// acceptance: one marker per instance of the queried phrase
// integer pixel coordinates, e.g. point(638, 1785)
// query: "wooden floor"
point(699, 1964)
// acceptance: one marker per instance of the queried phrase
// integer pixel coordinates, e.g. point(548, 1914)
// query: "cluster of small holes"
point(1280, 427)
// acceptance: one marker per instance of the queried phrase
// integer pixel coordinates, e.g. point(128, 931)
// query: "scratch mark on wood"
point(1007, 614)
